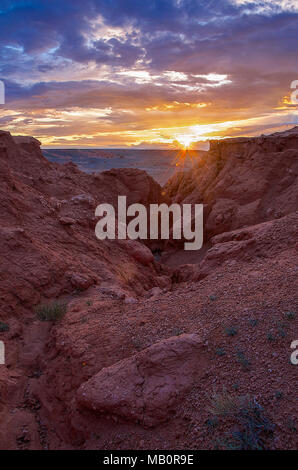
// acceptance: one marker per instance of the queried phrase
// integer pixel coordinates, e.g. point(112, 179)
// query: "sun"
point(185, 141)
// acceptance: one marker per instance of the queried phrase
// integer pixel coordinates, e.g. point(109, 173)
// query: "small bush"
point(220, 352)
point(51, 312)
point(278, 394)
point(253, 322)
point(231, 331)
point(3, 327)
point(290, 315)
point(270, 337)
point(242, 359)
point(212, 422)
point(253, 427)
point(212, 298)
point(291, 424)
point(281, 330)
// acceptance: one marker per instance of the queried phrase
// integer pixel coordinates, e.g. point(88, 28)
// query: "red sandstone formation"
point(147, 387)
point(144, 345)
point(47, 228)
point(242, 181)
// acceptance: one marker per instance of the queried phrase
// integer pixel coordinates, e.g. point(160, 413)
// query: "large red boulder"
point(147, 387)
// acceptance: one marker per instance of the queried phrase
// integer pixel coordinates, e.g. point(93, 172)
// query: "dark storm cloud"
point(169, 31)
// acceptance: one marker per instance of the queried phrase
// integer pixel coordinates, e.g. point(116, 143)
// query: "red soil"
point(144, 345)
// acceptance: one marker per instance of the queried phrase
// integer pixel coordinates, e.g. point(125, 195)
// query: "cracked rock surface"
point(146, 387)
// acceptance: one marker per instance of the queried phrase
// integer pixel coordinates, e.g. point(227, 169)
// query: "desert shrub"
point(278, 394)
point(220, 352)
point(51, 312)
point(253, 321)
point(3, 327)
point(242, 359)
point(291, 424)
point(290, 315)
point(231, 331)
point(212, 422)
point(270, 337)
point(253, 427)
point(281, 330)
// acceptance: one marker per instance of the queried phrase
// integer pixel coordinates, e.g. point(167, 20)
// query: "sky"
point(147, 74)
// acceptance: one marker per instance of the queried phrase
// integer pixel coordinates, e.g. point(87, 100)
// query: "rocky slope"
point(144, 345)
point(47, 228)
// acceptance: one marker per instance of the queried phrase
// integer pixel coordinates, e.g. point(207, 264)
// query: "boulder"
point(147, 387)
point(67, 221)
point(80, 281)
point(138, 251)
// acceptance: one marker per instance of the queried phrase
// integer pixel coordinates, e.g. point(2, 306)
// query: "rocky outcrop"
point(147, 387)
point(138, 251)
point(242, 181)
point(263, 241)
point(47, 221)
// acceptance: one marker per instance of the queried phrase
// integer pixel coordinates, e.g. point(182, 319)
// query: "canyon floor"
point(159, 348)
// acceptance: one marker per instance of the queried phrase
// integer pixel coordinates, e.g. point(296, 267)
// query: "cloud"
point(267, 6)
point(90, 71)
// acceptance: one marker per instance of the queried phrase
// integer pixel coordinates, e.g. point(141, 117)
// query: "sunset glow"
point(172, 75)
point(185, 141)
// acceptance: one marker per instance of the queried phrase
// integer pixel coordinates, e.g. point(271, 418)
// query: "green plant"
point(213, 297)
point(231, 331)
point(220, 352)
point(253, 426)
point(253, 321)
point(212, 422)
point(278, 394)
point(290, 315)
point(281, 329)
point(3, 327)
point(291, 424)
point(242, 359)
point(89, 303)
point(51, 312)
point(270, 337)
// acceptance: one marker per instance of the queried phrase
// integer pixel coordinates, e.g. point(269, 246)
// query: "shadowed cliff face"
point(133, 362)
